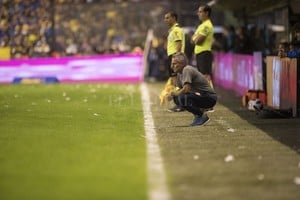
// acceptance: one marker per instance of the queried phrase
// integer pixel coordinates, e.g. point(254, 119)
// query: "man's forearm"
point(181, 91)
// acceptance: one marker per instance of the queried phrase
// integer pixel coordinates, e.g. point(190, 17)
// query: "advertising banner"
point(105, 68)
point(236, 72)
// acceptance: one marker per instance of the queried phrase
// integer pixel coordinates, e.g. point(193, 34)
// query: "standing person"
point(175, 43)
point(291, 50)
point(242, 41)
point(195, 94)
point(189, 47)
point(282, 49)
point(203, 39)
point(294, 51)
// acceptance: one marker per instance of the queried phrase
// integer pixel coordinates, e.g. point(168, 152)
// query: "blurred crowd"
point(42, 28)
point(25, 27)
point(245, 40)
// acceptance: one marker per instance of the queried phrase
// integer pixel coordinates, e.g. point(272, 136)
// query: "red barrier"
point(282, 83)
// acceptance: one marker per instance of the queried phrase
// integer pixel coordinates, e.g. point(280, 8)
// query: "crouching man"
point(195, 93)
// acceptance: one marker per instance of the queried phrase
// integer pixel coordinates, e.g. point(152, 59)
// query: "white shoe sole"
point(205, 122)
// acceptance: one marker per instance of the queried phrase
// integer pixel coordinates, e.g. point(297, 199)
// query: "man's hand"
point(170, 97)
point(198, 39)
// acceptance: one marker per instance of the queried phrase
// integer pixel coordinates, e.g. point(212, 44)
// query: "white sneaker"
point(210, 110)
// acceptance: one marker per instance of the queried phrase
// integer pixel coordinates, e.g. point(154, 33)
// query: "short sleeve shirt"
point(206, 29)
point(196, 79)
point(176, 33)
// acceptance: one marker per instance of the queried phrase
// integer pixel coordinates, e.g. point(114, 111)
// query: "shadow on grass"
point(277, 125)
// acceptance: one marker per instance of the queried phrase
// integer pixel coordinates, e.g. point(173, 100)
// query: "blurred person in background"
point(283, 47)
point(153, 61)
point(242, 44)
point(189, 47)
point(293, 50)
point(229, 34)
point(203, 39)
point(175, 43)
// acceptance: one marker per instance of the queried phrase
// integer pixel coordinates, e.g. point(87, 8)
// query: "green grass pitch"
point(72, 141)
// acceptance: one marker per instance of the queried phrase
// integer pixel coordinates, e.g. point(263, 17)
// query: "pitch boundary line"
point(157, 187)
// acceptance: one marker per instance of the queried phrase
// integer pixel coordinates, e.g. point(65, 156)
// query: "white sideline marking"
point(158, 189)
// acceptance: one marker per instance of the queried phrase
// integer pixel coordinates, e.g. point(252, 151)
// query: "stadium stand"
point(42, 28)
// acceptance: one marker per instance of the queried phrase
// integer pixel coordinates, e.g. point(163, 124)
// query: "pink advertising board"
point(238, 72)
point(105, 68)
point(223, 70)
